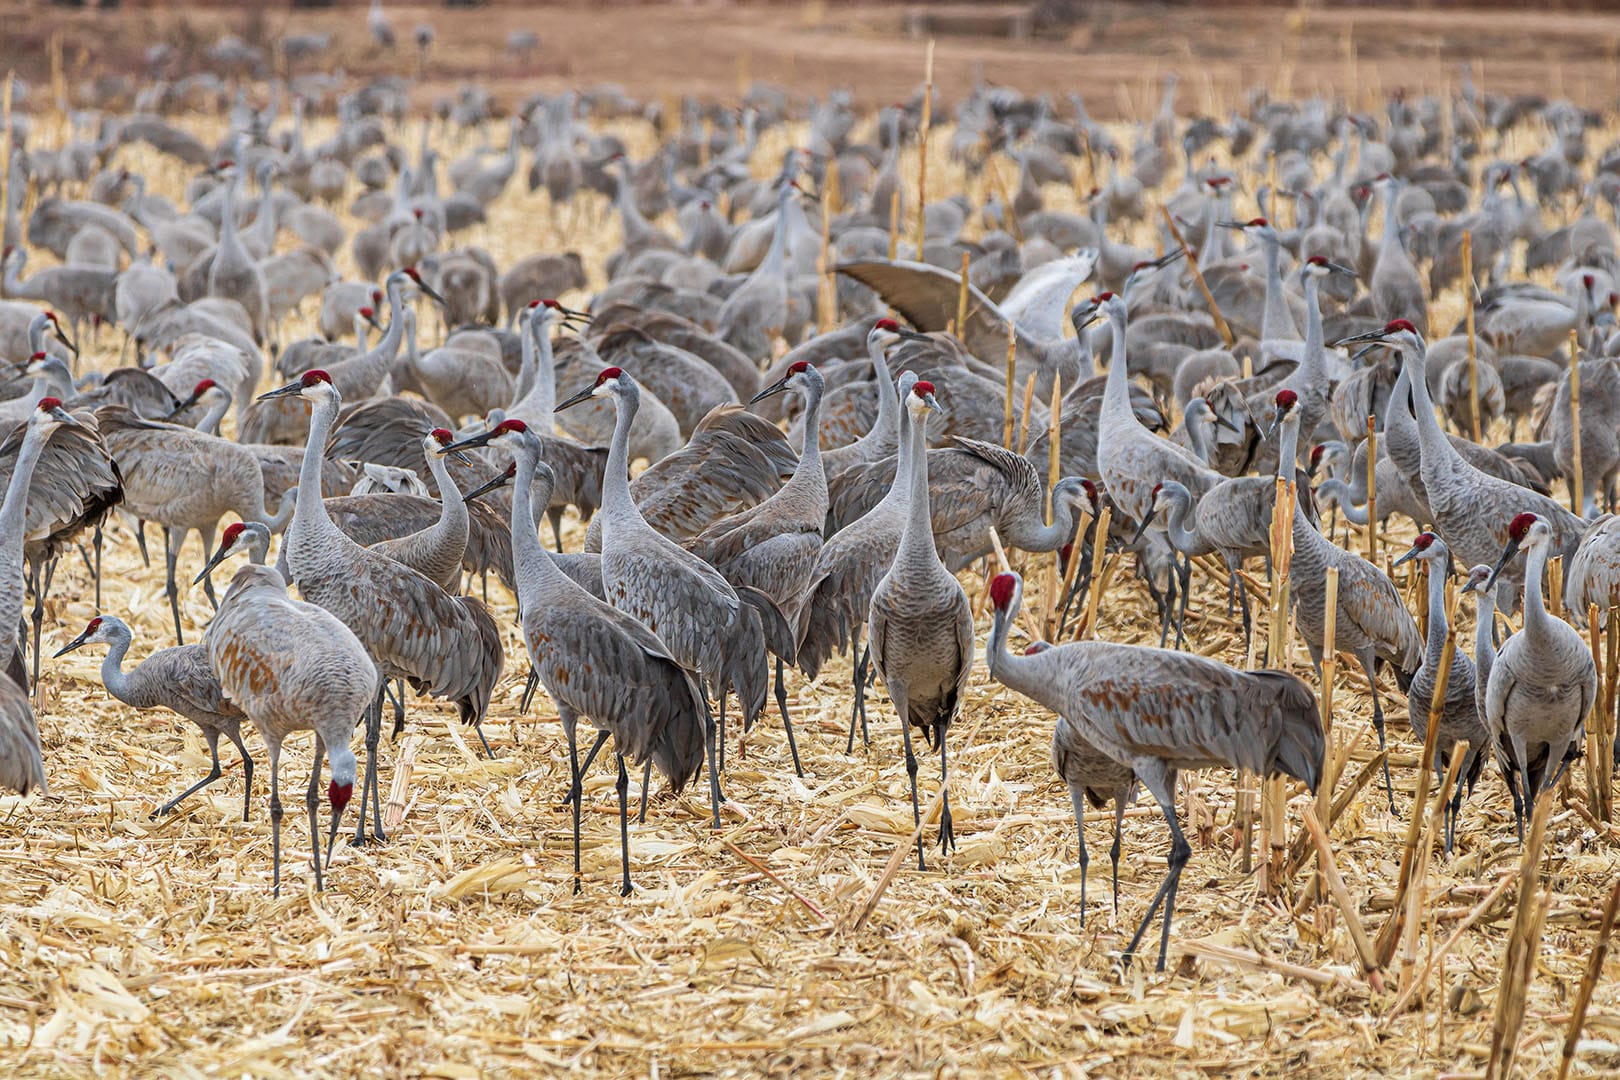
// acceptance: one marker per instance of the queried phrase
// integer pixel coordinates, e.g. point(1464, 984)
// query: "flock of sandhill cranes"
point(395, 470)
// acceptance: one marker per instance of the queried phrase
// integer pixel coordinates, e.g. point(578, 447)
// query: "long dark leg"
point(369, 784)
point(96, 573)
point(1113, 851)
point(947, 831)
point(1378, 724)
point(140, 542)
point(1180, 852)
point(590, 758)
point(395, 690)
point(1167, 607)
point(247, 769)
point(312, 802)
point(622, 785)
point(709, 739)
point(213, 774)
point(554, 515)
point(1248, 616)
point(1186, 589)
point(857, 711)
point(171, 556)
point(646, 786)
point(529, 688)
point(275, 819)
point(1078, 799)
point(911, 770)
point(478, 726)
point(39, 583)
point(720, 730)
point(787, 721)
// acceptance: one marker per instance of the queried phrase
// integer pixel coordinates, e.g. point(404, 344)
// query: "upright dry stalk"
point(1023, 416)
point(894, 224)
point(1054, 438)
point(1012, 364)
point(1273, 822)
point(1577, 489)
point(1330, 668)
point(827, 293)
point(961, 297)
point(922, 146)
point(1094, 595)
point(1524, 941)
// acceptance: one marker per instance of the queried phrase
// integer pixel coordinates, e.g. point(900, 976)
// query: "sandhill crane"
point(186, 480)
point(1130, 458)
point(754, 316)
point(235, 274)
point(178, 679)
point(1472, 509)
point(1480, 581)
point(48, 377)
point(1159, 712)
point(712, 629)
point(772, 546)
point(47, 417)
point(1542, 680)
point(599, 662)
point(292, 666)
point(1459, 714)
point(883, 437)
point(1396, 290)
point(82, 293)
point(1277, 319)
point(921, 625)
point(1371, 623)
point(1593, 575)
point(448, 646)
point(847, 570)
point(22, 765)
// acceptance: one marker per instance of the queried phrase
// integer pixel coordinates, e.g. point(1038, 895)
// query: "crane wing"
point(1036, 304)
point(926, 295)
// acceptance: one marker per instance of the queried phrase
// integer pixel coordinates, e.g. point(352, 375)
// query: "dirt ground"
point(1115, 57)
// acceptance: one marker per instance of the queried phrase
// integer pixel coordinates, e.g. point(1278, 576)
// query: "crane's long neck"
point(1536, 619)
point(1117, 390)
point(1276, 317)
point(309, 513)
point(13, 516)
point(112, 669)
point(227, 215)
point(525, 377)
point(808, 474)
point(216, 412)
point(616, 501)
point(1312, 368)
point(1484, 636)
point(898, 491)
point(1029, 675)
point(538, 405)
point(264, 226)
point(1390, 241)
point(11, 279)
point(885, 433)
point(453, 517)
point(1436, 447)
point(534, 569)
point(1183, 538)
point(1288, 445)
point(1438, 625)
point(1344, 498)
point(917, 538)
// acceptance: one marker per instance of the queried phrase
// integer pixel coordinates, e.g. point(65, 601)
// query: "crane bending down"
point(595, 660)
point(292, 666)
point(921, 625)
point(178, 679)
point(1160, 712)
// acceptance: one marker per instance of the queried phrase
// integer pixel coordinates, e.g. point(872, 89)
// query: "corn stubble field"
point(458, 949)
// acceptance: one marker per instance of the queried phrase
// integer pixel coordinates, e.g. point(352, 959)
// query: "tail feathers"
point(474, 701)
point(779, 636)
point(1300, 749)
point(823, 630)
point(678, 751)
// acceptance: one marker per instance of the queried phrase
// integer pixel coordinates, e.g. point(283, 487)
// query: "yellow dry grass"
point(458, 948)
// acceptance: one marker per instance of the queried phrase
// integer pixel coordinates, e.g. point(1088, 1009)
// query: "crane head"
point(922, 400)
point(339, 795)
point(608, 382)
point(251, 538)
point(512, 426)
point(798, 375)
point(1320, 266)
point(1395, 332)
point(1035, 648)
point(1004, 592)
point(369, 314)
point(415, 278)
point(1422, 547)
point(102, 628)
point(50, 415)
point(1526, 528)
point(1479, 577)
point(887, 332)
point(312, 384)
point(442, 436)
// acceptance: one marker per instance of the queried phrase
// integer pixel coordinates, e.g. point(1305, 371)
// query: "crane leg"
point(369, 784)
point(899, 700)
point(140, 542)
point(396, 694)
point(1186, 590)
point(1113, 851)
point(622, 785)
point(247, 769)
point(275, 820)
point(554, 515)
point(857, 709)
point(575, 792)
point(720, 730)
point(171, 555)
point(96, 573)
point(1378, 725)
point(1077, 797)
point(947, 830)
point(1162, 784)
point(213, 774)
point(709, 739)
point(312, 802)
point(37, 616)
point(590, 759)
point(646, 786)
point(529, 688)
point(787, 721)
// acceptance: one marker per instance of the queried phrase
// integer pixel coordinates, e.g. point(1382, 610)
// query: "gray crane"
point(83, 293)
point(186, 480)
point(847, 570)
point(712, 629)
point(1472, 509)
point(1459, 714)
point(1159, 712)
point(597, 661)
point(178, 679)
point(1593, 572)
point(772, 546)
point(435, 552)
point(235, 273)
point(448, 646)
point(1371, 623)
point(921, 625)
point(1480, 581)
point(47, 417)
point(292, 666)
point(1543, 680)
point(883, 437)
point(1396, 290)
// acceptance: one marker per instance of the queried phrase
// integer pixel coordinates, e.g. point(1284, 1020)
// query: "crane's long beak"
point(430, 292)
point(1230, 224)
point(1276, 422)
point(777, 387)
point(499, 480)
point(1221, 421)
point(283, 391)
point(1376, 336)
point(584, 395)
point(74, 644)
point(1411, 553)
point(213, 560)
point(1508, 552)
point(72, 346)
point(1147, 520)
point(471, 442)
point(1340, 268)
point(182, 407)
point(1168, 257)
point(62, 416)
point(1468, 586)
point(371, 321)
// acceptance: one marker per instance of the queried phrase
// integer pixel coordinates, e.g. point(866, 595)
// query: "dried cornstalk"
point(1198, 277)
point(922, 145)
point(1594, 969)
point(1099, 549)
point(1524, 941)
point(1372, 490)
point(1341, 897)
point(1012, 363)
point(1474, 915)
